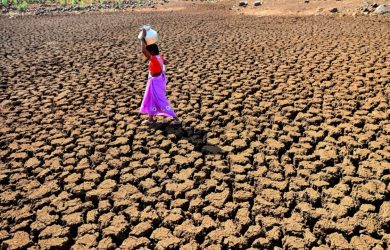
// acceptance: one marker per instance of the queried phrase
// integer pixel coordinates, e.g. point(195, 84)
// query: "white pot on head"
point(151, 35)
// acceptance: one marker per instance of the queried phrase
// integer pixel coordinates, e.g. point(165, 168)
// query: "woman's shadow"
point(197, 137)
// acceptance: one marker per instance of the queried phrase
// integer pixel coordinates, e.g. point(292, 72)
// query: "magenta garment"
point(155, 101)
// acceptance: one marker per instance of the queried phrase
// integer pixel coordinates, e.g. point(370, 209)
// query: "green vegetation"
point(4, 2)
point(22, 5)
point(118, 3)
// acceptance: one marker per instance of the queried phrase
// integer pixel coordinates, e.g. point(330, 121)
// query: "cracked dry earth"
point(284, 143)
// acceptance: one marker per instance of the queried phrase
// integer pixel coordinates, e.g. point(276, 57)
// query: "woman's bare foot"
point(176, 121)
point(146, 122)
point(149, 121)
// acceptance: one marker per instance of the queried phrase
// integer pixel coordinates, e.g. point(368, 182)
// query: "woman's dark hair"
point(153, 49)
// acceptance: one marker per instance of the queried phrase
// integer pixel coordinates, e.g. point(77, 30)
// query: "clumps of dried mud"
point(284, 144)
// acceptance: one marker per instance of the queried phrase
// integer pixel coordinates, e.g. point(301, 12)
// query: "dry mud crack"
point(284, 143)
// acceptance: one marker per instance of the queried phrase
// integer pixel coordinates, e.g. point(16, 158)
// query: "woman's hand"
point(143, 33)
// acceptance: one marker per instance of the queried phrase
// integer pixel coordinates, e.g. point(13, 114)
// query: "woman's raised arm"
point(143, 45)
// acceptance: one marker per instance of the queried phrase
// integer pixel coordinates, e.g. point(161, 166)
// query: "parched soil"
point(312, 7)
point(284, 143)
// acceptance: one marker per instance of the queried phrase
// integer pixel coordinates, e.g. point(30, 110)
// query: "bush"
point(4, 3)
point(21, 6)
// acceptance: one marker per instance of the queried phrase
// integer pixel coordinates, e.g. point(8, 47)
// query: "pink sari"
point(155, 101)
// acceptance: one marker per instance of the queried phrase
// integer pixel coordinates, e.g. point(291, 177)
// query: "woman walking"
point(155, 101)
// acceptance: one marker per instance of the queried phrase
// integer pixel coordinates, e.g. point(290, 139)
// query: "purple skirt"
point(155, 101)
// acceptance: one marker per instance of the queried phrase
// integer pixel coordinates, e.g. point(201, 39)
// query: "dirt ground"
point(299, 7)
point(284, 142)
